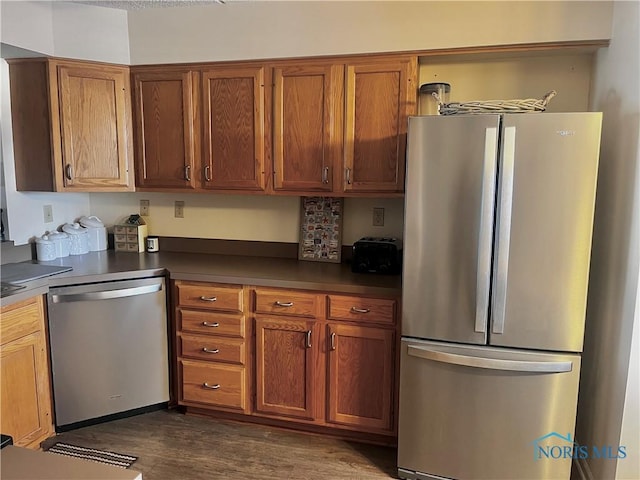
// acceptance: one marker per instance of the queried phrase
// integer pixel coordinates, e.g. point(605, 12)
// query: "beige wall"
point(245, 30)
point(509, 77)
point(607, 382)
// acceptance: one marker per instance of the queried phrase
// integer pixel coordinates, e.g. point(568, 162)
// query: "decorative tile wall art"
point(320, 229)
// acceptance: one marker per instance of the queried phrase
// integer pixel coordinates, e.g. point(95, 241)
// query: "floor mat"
point(92, 454)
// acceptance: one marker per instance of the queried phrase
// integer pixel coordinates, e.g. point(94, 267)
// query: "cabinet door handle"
point(283, 304)
point(207, 173)
point(214, 351)
point(325, 175)
point(308, 339)
point(208, 299)
point(68, 171)
point(359, 310)
point(333, 340)
point(211, 387)
point(187, 173)
point(207, 324)
point(348, 176)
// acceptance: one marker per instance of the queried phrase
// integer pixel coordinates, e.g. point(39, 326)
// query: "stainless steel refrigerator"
point(497, 243)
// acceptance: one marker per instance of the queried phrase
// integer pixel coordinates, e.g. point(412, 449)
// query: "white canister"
point(79, 238)
point(45, 249)
point(62, 242)
point(97, 233)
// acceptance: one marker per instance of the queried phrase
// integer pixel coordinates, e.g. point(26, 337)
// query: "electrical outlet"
point(144, 208)
point(179, 209)
point(47, 211)
point(378, 217)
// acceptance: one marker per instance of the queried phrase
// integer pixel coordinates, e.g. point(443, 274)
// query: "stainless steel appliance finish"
point(499, 212)
point(109, 348)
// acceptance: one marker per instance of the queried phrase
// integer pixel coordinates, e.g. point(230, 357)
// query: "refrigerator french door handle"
point(489, 363)
point(483, 275)
point(504, 230)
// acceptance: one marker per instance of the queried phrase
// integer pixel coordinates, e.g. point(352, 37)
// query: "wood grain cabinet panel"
point(82, 114)
point(212, 348)
point(380, 95)
point(361, 309)
point(285, 367)
point(233, 114)
point(25, 406)
point(360, 376)
point(211, 323)
point(307, 119)
point(213, 384)
point(166, 130)
point(286, 302)
point(211, 296)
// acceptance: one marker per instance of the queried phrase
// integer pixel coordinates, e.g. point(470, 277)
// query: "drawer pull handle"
point(284, 304)
point(333, 340)
point(360, 310)
point(308, 338)
point(206, 350)
point(208, 299)
point(211, 387)
point(214, 324)
point(325, 175)
point(187, 173)
point(207, 173)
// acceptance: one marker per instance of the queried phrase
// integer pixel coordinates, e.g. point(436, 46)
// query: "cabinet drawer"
point(286, 302)
point(226, 324)
point(361, 309)
point(213, 384)
point(21, 319)
point(212, 297)
point(212, 348)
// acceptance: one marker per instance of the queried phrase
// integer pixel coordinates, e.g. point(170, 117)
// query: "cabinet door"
point(360, 379)
point(26, 398)
point(379, 98)
point(285, 369)
point(95, 126)
point(233, 111)
point(307, 123)
point(166, 131)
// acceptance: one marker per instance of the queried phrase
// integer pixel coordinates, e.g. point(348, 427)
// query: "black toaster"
point(377, 255)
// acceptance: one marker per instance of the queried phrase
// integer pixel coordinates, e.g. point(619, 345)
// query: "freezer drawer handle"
point(489, 363)
point(211, 387)
point(105, 294)
point(208, 299)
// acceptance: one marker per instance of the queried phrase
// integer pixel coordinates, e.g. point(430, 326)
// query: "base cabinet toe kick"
point(318, 361)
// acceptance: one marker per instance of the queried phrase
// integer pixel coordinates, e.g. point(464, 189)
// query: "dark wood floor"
point(171, 445)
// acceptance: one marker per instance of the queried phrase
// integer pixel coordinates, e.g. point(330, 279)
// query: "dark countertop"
point(260, 271)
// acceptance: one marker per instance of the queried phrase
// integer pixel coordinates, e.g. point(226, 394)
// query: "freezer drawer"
point(470, 412)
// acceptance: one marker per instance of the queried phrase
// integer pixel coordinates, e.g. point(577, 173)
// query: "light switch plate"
point(144, 208)
point(378, 217)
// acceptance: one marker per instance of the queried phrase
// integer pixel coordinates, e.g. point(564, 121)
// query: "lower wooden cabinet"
point(25, 409)
point(285, 367)
point(360, 376)
point(304, 359)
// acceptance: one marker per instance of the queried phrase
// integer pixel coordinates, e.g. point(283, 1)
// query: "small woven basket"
point(529, 105)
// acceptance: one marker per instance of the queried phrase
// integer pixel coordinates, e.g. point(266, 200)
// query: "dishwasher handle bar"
point(105, 294)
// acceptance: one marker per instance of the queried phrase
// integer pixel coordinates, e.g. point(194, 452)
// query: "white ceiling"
point(140, 4)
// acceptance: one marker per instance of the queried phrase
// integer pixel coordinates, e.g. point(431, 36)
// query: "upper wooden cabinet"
point(334, 126)
point(307, 121)
point(380, 96)
point(233, 116)
point(71, 125)
point(167, 134)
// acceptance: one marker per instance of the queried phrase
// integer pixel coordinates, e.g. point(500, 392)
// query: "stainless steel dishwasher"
point(109, 350)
